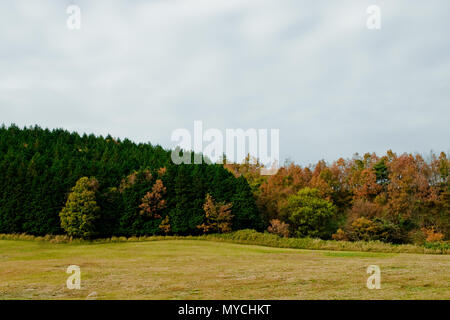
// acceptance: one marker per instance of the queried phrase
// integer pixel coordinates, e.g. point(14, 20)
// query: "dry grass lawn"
point(194, 269)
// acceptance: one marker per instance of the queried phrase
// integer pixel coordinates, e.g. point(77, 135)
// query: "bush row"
point(253, 237)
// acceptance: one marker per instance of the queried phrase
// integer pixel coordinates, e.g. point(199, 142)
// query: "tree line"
point(56, 182)
point(392, 198)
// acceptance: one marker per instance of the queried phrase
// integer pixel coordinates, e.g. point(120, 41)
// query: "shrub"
point(279, 228)
point(309, 215)
point(443, 247)
point(376, 229)
point(391, 232)
point(364, 229)
point(272, 240)
point(340, 235)
point(81, 211)
point(165, 225)
point(432, 235)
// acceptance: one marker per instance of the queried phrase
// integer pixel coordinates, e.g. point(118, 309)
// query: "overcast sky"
point(141, 69)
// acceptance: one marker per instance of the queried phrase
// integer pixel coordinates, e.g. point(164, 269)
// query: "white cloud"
point(140, 69)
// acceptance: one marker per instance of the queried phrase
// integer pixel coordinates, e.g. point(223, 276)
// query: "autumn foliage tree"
point(153, 202)
point(218, 216)
point(397, 195)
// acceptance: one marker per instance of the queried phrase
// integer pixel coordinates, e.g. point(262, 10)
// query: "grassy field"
point(193, 269)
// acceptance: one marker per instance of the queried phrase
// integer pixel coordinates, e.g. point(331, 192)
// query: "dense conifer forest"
point(40, 167)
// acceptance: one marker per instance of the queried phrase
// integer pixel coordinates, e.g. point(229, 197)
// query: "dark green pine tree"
point(244, 210)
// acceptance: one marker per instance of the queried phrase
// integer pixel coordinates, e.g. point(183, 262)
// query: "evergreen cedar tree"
point(393, 198)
